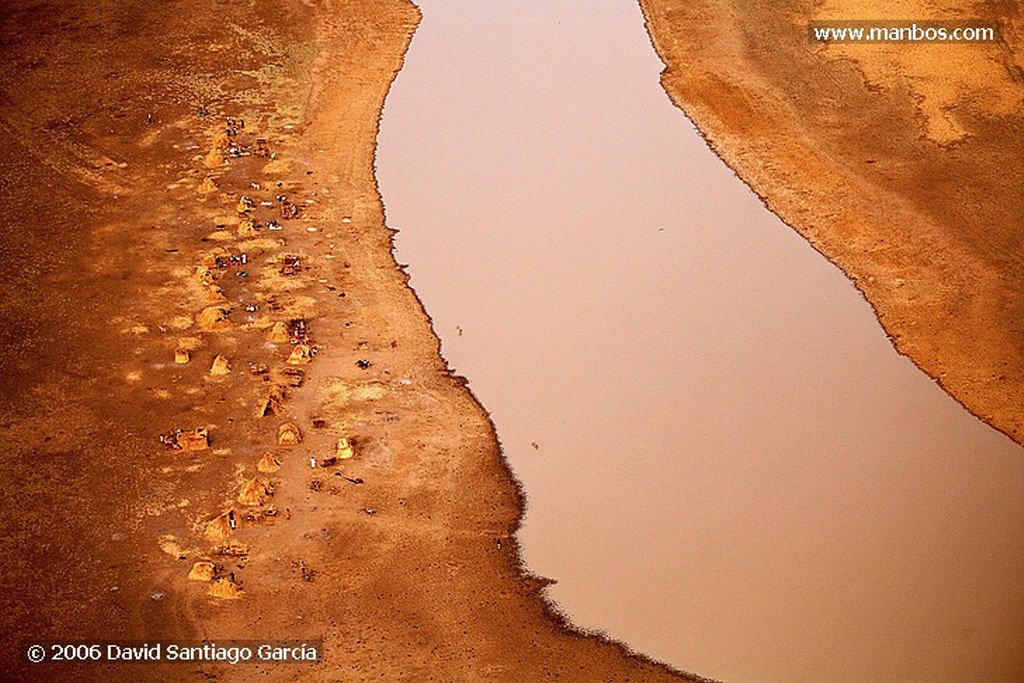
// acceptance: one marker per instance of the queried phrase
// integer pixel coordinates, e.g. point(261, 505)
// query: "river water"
point(727, 465)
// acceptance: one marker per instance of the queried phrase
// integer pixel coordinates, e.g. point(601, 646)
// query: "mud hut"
point(220, 527)
point(278, 334)
point(272, 402)
point(201, 571)
point(268, 464)
point(220, 366)
point(288, 435)
point(213, 318)
point(301, 354)
point(192, 440)
point(256, 492)
point(248, 228)
point(225, 588)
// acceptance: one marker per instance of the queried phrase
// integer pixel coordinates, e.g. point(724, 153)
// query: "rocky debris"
point(182, 356)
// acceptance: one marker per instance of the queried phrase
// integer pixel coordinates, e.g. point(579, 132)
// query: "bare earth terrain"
point(199, 297)
point(900, 162)
point(225, 413)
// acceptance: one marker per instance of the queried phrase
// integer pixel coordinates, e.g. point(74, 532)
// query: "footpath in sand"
point(900, 162)
point(226, 416)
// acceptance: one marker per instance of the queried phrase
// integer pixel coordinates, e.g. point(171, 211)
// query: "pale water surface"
point(736, 473)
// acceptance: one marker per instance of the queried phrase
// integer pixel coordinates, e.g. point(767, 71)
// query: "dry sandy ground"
point(125, 173)
point(901, 163)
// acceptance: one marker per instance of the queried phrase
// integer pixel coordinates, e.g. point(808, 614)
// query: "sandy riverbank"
point(133, 191)
point(898, 162)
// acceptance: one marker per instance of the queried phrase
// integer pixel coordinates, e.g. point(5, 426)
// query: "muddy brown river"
point(727, 465)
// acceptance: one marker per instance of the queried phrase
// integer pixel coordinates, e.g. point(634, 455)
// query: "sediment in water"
point(915, 193)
